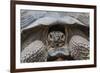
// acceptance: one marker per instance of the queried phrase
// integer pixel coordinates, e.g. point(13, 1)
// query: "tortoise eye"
point(62, 36)
point(50, 36)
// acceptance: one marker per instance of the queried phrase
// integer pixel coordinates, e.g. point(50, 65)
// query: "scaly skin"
point(79, 48)
point(34, 52)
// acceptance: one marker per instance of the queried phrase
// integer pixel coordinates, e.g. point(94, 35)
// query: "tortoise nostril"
point(57, 44)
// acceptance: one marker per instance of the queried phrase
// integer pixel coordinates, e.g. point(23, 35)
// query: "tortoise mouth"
point(57, 44)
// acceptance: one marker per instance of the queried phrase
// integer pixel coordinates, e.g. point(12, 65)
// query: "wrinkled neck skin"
point(59, 53)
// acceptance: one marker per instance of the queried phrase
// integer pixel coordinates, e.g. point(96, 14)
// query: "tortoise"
point(54, 37)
